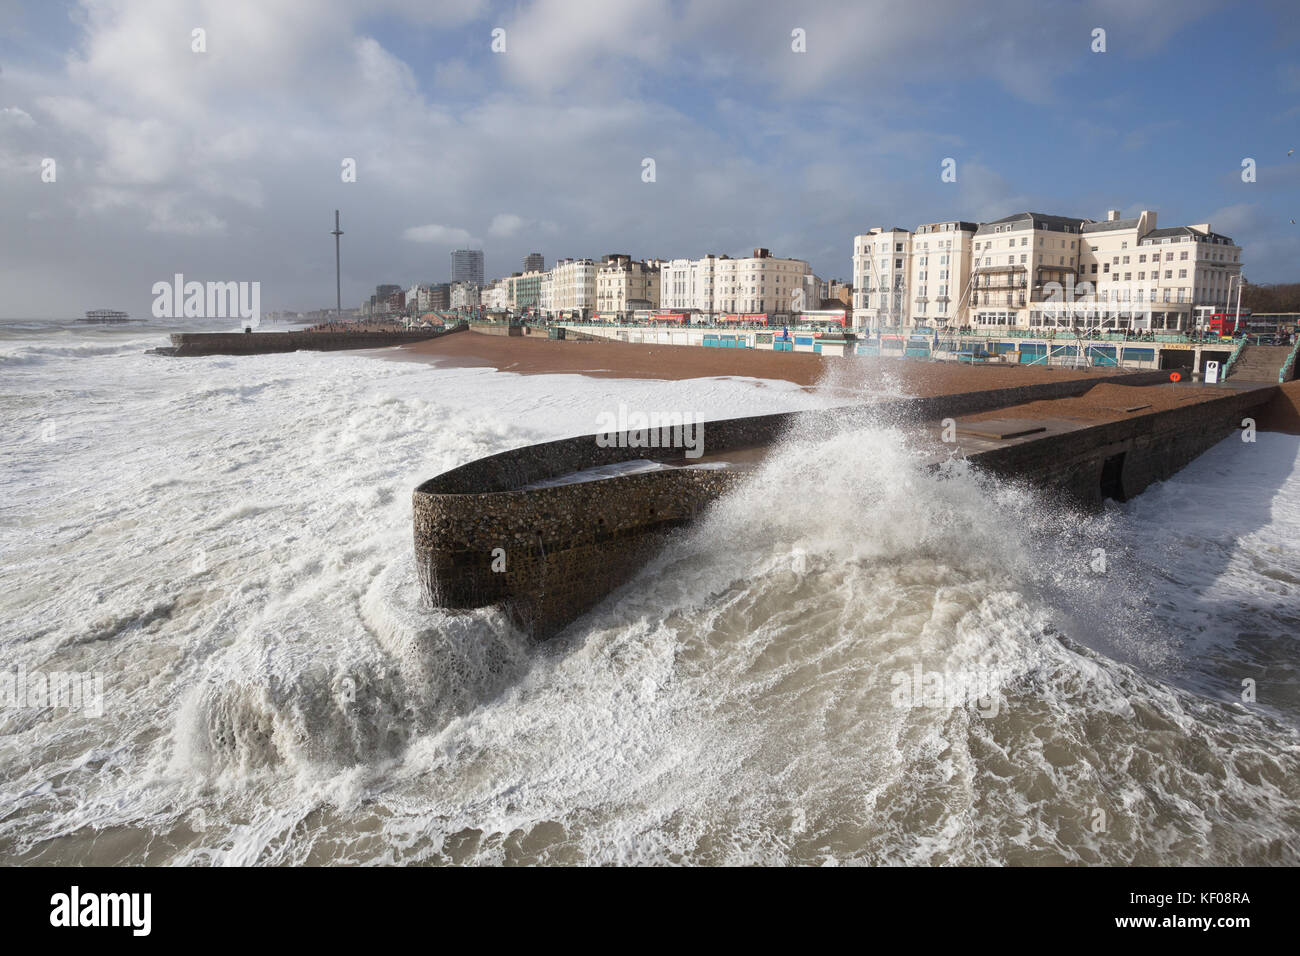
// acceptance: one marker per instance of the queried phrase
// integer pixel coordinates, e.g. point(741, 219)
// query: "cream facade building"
point(941, 272)
point(882, 287)
point(1187, 268)
point(720, 285)
point(624, 285)
point(1036, 271)
point(760, 284)
point(1017, 262)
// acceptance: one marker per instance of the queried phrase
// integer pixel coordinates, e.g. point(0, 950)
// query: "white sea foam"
point(228, 542)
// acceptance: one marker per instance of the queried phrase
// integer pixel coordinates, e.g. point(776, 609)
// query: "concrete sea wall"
point(549, 554)
point(188, 344)
point(1121, 459)
point(489, 328)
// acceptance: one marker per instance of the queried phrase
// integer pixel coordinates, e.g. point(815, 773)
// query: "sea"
point(849, 660)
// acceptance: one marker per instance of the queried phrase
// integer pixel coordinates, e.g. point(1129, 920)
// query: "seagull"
point(1290, 152)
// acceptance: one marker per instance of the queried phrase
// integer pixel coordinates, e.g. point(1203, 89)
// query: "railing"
point(701, 326)
point(1236, 354)
point(1287, 370)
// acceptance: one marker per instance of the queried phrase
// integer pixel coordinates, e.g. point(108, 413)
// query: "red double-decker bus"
point(1230, 323)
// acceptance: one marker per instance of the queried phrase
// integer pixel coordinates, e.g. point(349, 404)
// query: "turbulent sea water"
point(848, 661)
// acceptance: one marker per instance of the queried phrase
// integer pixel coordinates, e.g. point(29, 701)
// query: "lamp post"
point(1227, 302)
point(1240, 282)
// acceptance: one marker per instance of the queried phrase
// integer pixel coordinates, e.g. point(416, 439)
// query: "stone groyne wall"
point(489, 328)
point(549, 554)
point(1122, 459)
point(188, 344)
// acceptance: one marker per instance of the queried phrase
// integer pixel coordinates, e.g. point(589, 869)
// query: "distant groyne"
point(486, 534)
point(496, 328)
point(188, 344)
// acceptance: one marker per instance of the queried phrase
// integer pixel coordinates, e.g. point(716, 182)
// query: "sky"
point(227, 164)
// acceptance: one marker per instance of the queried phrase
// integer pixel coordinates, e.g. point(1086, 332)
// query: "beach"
point(537, 355)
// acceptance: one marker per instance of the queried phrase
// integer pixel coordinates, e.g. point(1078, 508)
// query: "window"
point(1142, 258)
point(1169, 273)
point(1141, 276)
point(1183, 254)
point(1182, 273)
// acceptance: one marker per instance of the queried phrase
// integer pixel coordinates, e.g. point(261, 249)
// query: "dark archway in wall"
point(1208, 355)
point(1112, 477)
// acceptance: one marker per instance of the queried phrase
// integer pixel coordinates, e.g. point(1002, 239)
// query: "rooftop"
point(1111, 225)
point(1185, 231)
point(1037, 220)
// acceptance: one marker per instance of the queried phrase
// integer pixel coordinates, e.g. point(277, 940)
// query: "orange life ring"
point(1175, 377)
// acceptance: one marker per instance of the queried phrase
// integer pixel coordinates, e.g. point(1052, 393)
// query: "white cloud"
point(14, 118)
point(552, 43)
point(504, 225)
point(444, 235)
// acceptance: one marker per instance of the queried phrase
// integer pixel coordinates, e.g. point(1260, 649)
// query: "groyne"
point(189, 344)
point(496, 328)
point(483, 535)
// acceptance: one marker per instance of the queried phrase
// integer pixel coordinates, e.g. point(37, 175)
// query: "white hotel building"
point(720, 285)
point(940, 271)
point(1032, 271)
point(882, 267)
point(569, 289)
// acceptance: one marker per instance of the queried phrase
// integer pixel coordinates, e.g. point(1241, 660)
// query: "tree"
point(1278, 297)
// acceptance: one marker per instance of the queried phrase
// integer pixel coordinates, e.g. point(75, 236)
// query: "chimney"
point(760, 253)
point(1112, 215)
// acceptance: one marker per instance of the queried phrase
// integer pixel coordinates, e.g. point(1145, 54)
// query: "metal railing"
point(1285, 373)
point(1236, 354)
